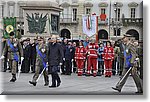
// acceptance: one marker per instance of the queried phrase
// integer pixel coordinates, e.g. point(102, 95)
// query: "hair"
point(81, 43)
point(109, 43)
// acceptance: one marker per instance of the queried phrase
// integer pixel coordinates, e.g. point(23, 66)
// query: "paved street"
point(70, 85)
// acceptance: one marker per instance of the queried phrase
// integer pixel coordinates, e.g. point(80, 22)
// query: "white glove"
point(22, 59)
point(63, 59)
point(60, 64)
point(72, 60)
point(2, 57)
point(137, 59)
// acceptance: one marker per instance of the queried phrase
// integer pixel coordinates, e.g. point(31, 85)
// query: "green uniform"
point(130, 49)
point(10, 54)
point(39, 64)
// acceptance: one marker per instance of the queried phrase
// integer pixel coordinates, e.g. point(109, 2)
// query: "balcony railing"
point(69, 21)
point(101, 22)
point(132, 21)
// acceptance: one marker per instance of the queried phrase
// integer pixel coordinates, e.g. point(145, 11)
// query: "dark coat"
point(55, 54)
point(69, 53)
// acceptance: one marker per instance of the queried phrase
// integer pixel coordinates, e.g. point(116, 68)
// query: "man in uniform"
point(14, 51)
point(129, 62)
point(92, 58)
point(41, 62)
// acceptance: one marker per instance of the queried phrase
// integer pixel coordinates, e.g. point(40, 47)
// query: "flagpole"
point(109, 18)
point(96, 29)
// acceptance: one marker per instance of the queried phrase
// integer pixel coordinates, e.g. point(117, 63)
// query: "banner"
point(9, 26)
point(89, 25)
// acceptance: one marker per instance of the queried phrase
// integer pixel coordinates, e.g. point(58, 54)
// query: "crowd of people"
point(85, 57)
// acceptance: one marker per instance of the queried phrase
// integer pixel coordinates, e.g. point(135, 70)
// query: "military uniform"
point(39, 66)
point(13, 64)
point(130, 50)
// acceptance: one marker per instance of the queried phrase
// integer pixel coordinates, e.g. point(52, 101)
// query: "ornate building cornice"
point(65, 4)
point(103, 4)
point(133, 4)
point(88, 4)
point(118, 4)
point(11, 3)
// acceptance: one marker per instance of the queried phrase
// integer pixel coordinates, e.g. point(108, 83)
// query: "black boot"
point(33, 83)
point(13, 78)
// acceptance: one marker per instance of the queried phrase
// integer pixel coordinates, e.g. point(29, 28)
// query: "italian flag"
point(89, 23)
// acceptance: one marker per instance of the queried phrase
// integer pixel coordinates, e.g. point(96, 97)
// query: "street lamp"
point(116, 18)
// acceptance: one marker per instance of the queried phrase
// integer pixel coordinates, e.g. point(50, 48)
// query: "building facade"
point(120, 17)
point(115, 17)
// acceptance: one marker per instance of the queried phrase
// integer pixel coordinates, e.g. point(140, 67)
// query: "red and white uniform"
point(92, 58)
point(80, 56)
point(108, 56)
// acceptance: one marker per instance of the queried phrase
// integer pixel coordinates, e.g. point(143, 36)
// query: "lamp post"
point(116, 18)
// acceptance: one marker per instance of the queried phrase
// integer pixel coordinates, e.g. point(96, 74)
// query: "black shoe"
point(139, 92)
point(33, 72)
point(62, 73)
point(58, 84)
point(52, 86)
point(116, 89)
point(46, 84)
point(33, 83)
point(13, 80)
point(87, 75)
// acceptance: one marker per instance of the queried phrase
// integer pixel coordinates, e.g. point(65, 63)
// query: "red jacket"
point(92, 50)
point(80, 53)
point(108, 53)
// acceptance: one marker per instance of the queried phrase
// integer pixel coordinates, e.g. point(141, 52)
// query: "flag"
point(9, 26)
point(89, 25)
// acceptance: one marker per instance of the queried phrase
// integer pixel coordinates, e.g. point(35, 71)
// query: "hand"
point(2, 57)
point(47, 64)
point(60, 64)
point(132, 64)
point(63, 59)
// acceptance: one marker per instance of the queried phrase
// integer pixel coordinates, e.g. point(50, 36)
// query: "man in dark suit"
point(25, 68)
point(55, 58)
point(33, 55)
point(69, 53)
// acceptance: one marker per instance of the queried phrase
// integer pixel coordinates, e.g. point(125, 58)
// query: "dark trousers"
point(63, 67)
point(33, 61)
point(5, 64)
point(55, 76)
point(100, 67)
point(25, 67)
point(121, 63)
point(68, 66)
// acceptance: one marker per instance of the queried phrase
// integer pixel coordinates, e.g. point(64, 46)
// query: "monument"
point(41, 18)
